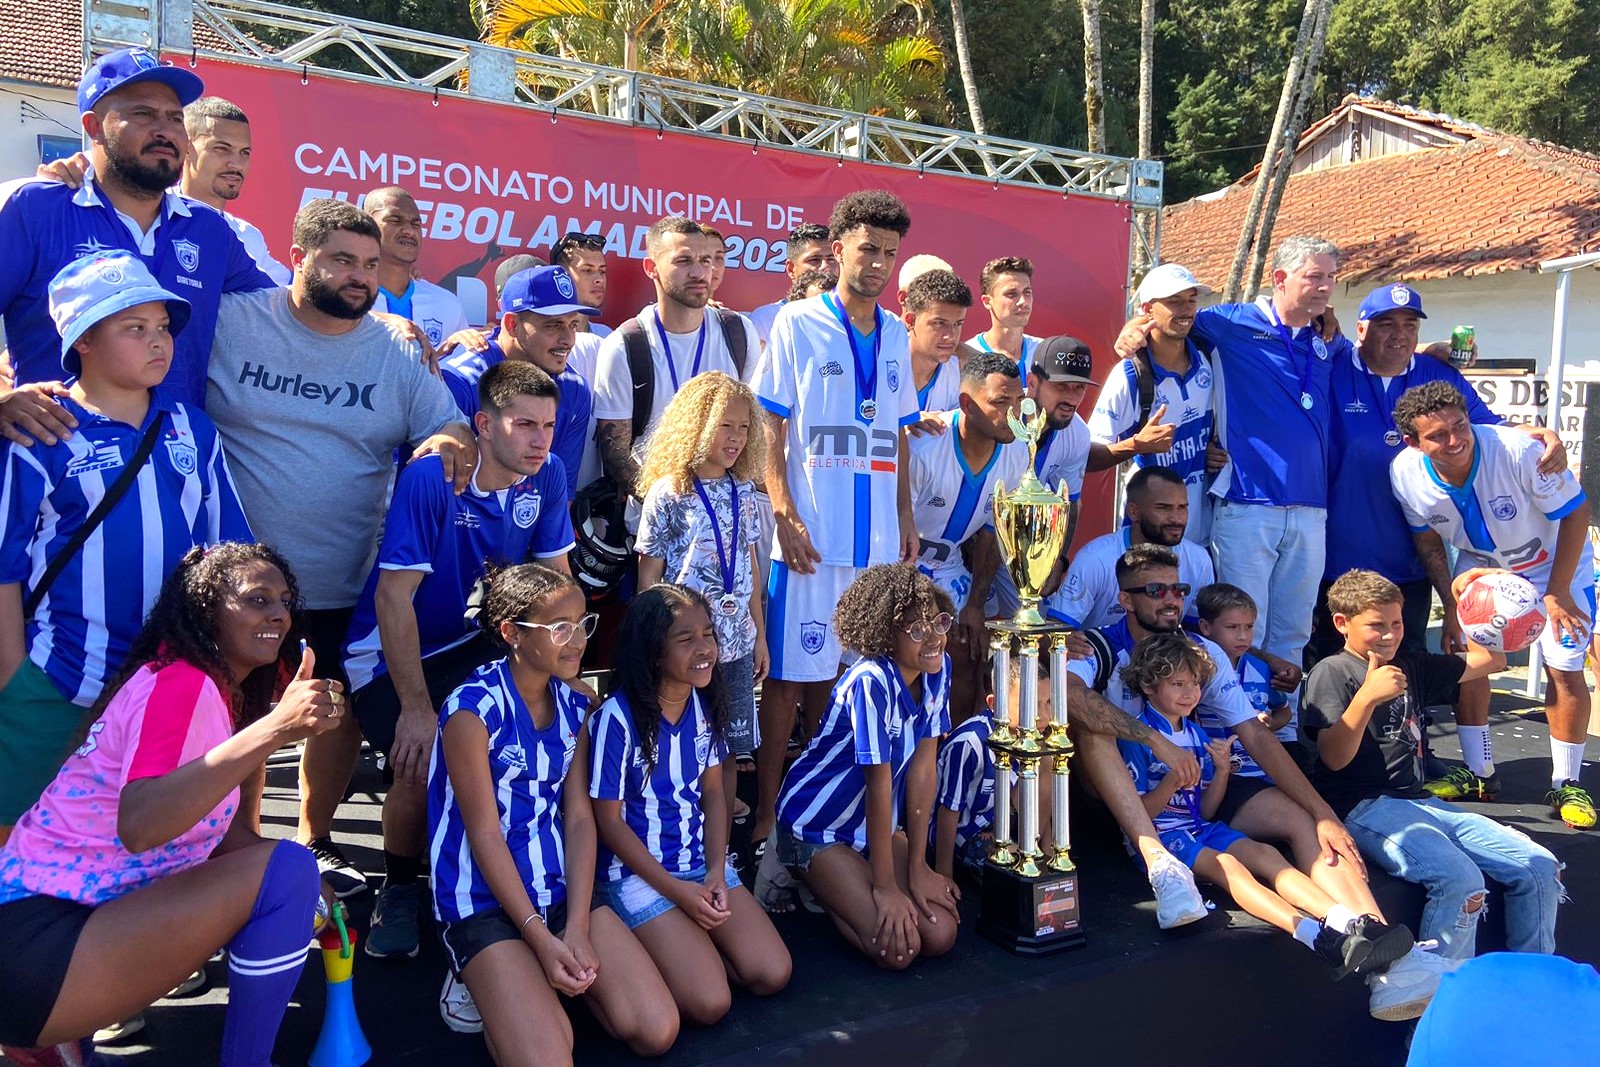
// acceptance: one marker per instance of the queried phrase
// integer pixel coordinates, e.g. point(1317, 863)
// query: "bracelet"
point(532, 916)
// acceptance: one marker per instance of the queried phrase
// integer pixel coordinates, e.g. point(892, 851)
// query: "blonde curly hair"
point(682, 440)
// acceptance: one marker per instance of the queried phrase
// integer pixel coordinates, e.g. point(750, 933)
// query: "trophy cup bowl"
point(1030, 522)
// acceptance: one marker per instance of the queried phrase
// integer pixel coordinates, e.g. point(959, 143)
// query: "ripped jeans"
point(1449, 851)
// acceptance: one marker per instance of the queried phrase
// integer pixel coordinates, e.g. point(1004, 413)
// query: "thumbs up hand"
point(1155, 436)
point(309, 705)
point(1384, 681)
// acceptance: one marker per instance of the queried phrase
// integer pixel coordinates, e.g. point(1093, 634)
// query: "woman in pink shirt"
point(133, 867)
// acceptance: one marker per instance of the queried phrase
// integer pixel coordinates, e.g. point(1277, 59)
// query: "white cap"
point(917, 266)
point(1169, 279)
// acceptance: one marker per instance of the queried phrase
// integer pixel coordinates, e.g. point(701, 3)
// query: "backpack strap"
point(1144, 380)
point(733, 335)
point(1105, 659)
point(640, 368)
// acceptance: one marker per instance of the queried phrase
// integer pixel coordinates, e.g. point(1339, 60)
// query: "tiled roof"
point(42, 42)
point(1493, 203)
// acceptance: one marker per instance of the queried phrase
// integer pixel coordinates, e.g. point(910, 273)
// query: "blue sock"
point(266, 956)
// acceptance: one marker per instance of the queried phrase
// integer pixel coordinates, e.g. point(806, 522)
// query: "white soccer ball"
point(1501, 611)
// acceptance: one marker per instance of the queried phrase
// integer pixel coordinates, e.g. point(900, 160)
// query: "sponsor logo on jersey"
point(830, 368)
point(513, 756)
point(936, 502)
point(1356, 407)
point(342, 394)
point(96, 458)
point(1503, 508)
point(853, 448)
point(1438, 520)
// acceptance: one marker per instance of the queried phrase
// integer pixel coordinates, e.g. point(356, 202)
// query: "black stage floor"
point(1225, 991)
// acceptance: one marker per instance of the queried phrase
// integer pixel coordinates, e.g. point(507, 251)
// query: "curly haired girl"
point(854, 810)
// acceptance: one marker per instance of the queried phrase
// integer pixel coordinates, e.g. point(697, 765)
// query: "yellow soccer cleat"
point(1571, 802)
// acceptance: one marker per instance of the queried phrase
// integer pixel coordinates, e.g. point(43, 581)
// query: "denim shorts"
point(636, 901)
point(793, 852)
point(743, 734)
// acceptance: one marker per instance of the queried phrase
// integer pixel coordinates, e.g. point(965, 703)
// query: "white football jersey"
point(943, 391)
point(843, 466)
point(1506, 516)
point(1088, 597)
point(951, 501)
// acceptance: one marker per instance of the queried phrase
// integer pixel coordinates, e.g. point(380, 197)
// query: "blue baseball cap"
point(1391, 298)
point(543, 291)
point(94, 288)
point(127, 66)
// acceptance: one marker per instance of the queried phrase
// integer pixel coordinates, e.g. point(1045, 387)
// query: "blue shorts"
point(636, 901)
point(1186, 844)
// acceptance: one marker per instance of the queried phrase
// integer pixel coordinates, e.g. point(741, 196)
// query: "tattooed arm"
point(615, 438)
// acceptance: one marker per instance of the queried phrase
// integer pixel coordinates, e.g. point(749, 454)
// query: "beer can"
point(1461, 350)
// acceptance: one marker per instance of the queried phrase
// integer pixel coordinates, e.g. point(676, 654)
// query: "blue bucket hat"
point(126, 66)
point(92, 289)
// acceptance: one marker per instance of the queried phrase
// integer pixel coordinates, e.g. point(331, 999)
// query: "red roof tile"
point(42, 42)
point(1494, 203)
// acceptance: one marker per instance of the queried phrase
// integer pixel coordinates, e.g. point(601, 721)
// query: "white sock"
point(1477, 749)
point(1566, 761)
point(1340, 918)
point(1305, 932)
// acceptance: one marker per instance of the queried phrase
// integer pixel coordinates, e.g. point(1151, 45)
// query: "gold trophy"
point(1030, 901)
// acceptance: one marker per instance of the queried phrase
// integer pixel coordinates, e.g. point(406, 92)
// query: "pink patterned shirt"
point(66, 845)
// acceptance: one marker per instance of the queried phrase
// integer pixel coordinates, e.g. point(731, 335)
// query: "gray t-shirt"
point(310, 424)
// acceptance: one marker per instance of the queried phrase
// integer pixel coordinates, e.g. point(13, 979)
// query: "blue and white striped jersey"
point(872, 720)
point(183, 497)
point(450, 539)
point(1255, 681)
point(966, 778)
point(660, 802)
point(529, 767)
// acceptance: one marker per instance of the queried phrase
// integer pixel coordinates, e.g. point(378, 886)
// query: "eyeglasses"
point(578, 239)
point(1156, 590)
point(922, 629)
point(562, 632)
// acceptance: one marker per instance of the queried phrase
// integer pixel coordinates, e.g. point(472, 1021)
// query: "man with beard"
point(1148, 587)
point(540, 321)
point(1158, 514)
point(1156, 406)
point(682, 340)
point(836, 385)
point(311, 395)
point(1057, 380)
point(132, 114)
point(809, 248)
point(216, 167)
point(400, 292)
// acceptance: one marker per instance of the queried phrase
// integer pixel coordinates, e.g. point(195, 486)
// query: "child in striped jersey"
point(854, 810)
point(656, 753)
point(512, 840)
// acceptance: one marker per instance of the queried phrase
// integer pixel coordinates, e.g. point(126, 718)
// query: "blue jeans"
point(1276, 555)
point(1448, 851)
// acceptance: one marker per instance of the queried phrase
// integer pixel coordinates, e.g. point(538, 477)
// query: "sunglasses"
point(1156, 590)
point(922, 629)
point(562, 632)
point(577, 239)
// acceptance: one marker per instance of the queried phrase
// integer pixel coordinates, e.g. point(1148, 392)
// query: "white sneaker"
point(457, 1008)
point(109, 1035)
point(1404, 990)
point(1178, 900)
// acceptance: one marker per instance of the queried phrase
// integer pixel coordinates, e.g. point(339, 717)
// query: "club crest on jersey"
point(182, 454)
point(894, 375)
point(525, 510)
point(1319, 348)
point(188, 254)
point(812, 635)
point(1503, 508)
point(1202, 377)
point(702, 748)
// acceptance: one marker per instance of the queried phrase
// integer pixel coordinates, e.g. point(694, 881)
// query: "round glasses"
point(562, 632)
point(923, 629)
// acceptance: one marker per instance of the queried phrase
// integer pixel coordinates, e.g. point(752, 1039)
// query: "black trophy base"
point(1030, 916)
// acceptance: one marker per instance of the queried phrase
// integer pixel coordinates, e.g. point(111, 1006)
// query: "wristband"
point(531, 916)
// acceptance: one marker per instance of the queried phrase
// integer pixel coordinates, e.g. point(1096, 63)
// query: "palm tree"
point(969, 83)
point(609, 32)
point(1147, 77)
point(1094, 91)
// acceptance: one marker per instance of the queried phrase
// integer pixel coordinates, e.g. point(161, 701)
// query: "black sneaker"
point(1369, 946)
point(340, 874)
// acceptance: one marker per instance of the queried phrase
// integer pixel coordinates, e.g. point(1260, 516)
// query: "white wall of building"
point(26, 111)
point(1514, 314)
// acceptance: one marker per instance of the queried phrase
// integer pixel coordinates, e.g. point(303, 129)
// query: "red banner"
point(494, 180)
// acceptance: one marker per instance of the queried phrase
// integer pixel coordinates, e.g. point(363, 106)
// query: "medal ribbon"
point(725, 560)
point(1288, 343)
point(1380, 398)
point(866, 380)
point(666, 349)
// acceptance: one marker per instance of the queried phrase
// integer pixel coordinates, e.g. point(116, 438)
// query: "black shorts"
point(376, 705)
point(327, 630)
point(37, 938)
point(465, 939)
point(1238, 794)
